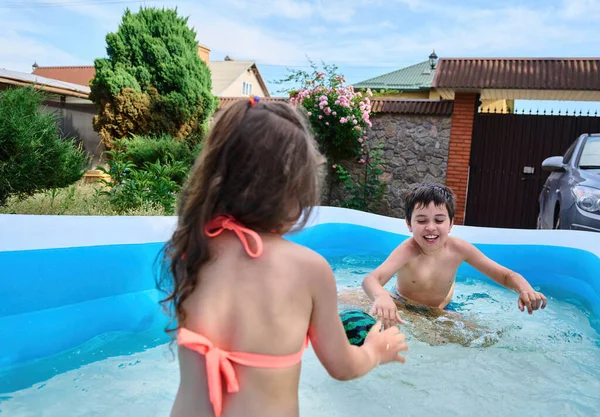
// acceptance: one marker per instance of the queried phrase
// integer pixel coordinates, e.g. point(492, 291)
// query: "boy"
point(426, 263)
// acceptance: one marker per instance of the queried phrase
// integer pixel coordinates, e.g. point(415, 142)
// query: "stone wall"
point(415, 150)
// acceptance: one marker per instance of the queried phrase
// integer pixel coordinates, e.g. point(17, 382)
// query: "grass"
point(79, 199)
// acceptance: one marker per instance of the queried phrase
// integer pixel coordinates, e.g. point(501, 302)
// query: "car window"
point(590, 154)
point(569, 153)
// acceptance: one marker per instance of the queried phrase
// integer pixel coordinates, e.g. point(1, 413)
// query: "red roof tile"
point(380, 105)
point(519, 73)
point(76, 75)
point(425, 107)
point(225, 102)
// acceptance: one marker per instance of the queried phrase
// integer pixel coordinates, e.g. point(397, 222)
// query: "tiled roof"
point(225, 102)
point(81, 75)
point(519, 73)
point(378, 105)
point(424, 107)
point(414, 78)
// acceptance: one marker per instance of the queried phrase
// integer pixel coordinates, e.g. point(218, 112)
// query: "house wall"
point(204, 53)
point(434, 95)
point(415, 150)
point(235, 89)
point(500, 106)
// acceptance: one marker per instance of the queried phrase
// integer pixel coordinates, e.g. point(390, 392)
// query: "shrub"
point(34, 155)
point(163, 149)
point(130, 187)
point(339, 117)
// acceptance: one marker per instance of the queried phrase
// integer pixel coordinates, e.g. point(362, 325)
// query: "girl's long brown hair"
point(259, 164)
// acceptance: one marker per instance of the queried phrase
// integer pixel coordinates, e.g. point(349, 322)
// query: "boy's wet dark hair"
point(260, 165)
point(423, 194)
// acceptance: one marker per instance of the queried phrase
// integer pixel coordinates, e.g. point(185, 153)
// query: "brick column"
point(459, 151)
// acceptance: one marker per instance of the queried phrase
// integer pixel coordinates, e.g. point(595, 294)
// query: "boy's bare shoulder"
point(459, 245)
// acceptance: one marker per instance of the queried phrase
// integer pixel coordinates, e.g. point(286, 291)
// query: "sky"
point(364, 38)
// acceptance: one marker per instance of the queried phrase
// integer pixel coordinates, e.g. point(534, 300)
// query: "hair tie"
point(254, 100)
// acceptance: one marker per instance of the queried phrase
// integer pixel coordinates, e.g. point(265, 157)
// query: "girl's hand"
point(385, 346)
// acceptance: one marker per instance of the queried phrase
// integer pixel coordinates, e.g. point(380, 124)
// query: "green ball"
point(357, 324)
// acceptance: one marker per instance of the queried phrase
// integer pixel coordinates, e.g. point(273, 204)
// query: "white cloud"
point(289, 9)
point(105, 15)
point(340, 32)
point(588, 9)
point(18, 53)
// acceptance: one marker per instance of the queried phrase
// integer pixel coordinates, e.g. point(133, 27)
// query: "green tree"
point(34, 156)
point(153, 81)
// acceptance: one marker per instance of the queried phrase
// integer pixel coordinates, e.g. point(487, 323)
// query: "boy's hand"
point(532, 300)
point(385, 310)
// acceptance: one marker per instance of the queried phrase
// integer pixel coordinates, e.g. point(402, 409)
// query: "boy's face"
point(430, 226)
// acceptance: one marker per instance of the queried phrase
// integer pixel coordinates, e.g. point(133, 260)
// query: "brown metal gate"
point(503, 191)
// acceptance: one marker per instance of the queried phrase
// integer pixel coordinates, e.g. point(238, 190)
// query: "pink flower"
point(309, 113)
point(369, 92)
point(355, 121)
point(326, 123)
point(343, 120)
point(320, 117)
point(362, 161)
point(334, 113)
point(360, 140)
point(334, 166)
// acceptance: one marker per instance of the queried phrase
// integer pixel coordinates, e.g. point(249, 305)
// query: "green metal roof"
point(414, 78)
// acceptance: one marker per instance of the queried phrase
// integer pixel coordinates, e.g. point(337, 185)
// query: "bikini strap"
point(226, 222)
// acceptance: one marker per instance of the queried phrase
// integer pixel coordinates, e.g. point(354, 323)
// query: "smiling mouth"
point(431, 238)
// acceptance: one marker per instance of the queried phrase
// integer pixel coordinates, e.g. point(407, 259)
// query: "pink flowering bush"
point(338, 115)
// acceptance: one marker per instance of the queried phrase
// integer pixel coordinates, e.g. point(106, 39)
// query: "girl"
point(246, 300)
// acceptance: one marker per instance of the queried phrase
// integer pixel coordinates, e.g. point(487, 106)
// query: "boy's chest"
point(429, 274)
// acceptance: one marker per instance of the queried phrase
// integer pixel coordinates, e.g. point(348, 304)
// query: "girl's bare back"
point(250, 305)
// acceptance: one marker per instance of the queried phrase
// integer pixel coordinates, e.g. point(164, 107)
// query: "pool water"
point(547, 364)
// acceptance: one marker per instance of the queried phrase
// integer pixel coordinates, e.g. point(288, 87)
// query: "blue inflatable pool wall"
point(65, 280)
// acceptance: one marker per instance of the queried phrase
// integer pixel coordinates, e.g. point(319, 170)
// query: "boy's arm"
point(528, 297)
point(374, 281)
point(384, 307)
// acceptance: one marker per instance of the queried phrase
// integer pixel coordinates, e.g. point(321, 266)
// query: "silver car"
point(570, 198)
